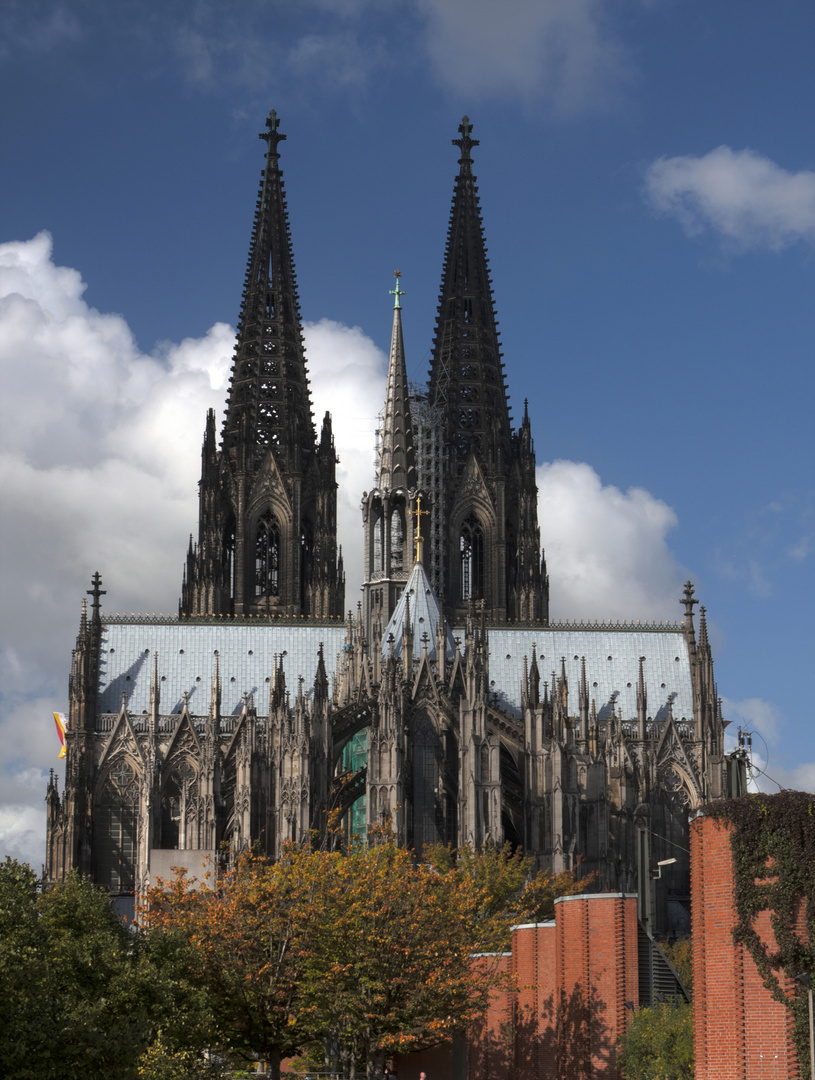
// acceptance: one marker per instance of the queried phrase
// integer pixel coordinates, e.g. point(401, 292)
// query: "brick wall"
point(490, 1042)
point(597, 973)
point(535, 1032)
point(740, 1031)
point(572, 979)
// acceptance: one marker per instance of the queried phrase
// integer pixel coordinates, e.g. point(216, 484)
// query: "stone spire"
point(386, 509)
point(484, 533)
point(267, 532)
point(397, 464)
point(467, 376)
point(269, 403)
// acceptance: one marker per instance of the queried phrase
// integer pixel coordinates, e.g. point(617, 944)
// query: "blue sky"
point(647, 178)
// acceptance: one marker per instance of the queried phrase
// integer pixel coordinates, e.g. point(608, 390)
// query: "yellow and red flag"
point(62, 724)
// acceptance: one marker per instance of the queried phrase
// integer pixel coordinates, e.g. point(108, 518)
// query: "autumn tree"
point(254, 946)
point(398, 949)
point(506, 887)
point(367, 952)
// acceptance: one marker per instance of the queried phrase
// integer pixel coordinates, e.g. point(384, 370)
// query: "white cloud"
point(22, 833)
point(745, 198)
point(253, 50)
point(754, 715)
point(31, 28)
point(606, 550)
point(99, 463)
point(555, 50)
point(348, 374)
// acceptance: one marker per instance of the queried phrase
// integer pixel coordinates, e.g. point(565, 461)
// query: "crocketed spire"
point(397, 464)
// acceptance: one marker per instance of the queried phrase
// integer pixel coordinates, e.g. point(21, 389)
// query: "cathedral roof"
point(187, 651)
point(419, 606)
point(612, 666)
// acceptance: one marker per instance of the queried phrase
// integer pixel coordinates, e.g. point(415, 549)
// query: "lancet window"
point(179, 808)
point(397, 541)
point(379, 528)
point(116, 825)
point(267, 556)
point(471, 548)
point(427, 815)
point(306, 556)
point(228, 556)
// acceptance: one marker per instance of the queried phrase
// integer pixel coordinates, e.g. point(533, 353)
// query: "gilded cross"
point(418, 513)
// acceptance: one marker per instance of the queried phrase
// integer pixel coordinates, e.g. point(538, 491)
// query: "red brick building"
point(740, 1031)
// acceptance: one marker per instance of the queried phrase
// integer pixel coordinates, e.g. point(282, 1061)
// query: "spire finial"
point(96, 592)
point(397, 292)
point(272, 135)
point(688, 600)
point(465, 143)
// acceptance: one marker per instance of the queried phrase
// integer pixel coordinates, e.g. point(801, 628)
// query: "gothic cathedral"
point(449, 708)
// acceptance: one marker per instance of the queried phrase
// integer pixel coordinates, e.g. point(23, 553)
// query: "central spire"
point(386, 508)
point(397, 465)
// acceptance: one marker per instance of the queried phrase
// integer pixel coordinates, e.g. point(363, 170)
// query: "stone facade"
point(224, 726)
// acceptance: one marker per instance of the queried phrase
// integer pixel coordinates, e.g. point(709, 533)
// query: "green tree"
point(161, 1062)
point(80, 993)
point(659, 1043)
point(680, 954)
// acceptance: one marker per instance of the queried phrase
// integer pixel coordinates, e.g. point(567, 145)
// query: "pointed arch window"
point(306, 558)
point(428, 826)
point(179, 802)
point(228, 557)
point(379, 531)
point(471, 549)
point(267, 556)
point(117, 829)
point(397, 541)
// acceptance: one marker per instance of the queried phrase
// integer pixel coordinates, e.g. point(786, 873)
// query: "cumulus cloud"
point(99, 463)
point(348, 380)
point(556, 50)
point(606, 550)
point(745, 198)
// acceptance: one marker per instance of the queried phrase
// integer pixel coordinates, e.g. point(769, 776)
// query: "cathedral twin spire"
point(267, 534)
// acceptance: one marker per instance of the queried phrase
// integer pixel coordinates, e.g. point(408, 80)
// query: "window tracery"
point(267, 556)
